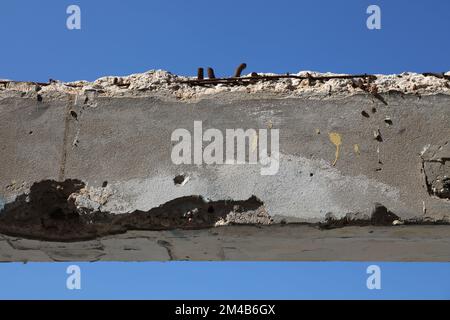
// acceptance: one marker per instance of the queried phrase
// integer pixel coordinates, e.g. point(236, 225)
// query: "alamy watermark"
point(73, 281)
point(374, 280)
point(73, 21)
point(374, 20)
point(241, 147)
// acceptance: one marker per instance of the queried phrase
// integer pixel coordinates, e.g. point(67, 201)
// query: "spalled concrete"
point(342, 157)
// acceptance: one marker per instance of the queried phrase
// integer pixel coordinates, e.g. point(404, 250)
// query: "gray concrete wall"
point(127, 142)
point(393, 154)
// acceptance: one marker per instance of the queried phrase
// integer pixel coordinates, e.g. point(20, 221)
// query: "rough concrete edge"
point(163, 84)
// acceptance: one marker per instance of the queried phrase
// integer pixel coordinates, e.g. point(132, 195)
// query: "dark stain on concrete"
point(380, 216)
point(48, 212)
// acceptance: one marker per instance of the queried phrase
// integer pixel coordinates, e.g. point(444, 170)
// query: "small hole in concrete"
point(388, 121)
point(179, 179)
point(365, 114)
point(73, 114)
point(374, 110)
point(104, 184)
point(311, 174)
point(30, 133)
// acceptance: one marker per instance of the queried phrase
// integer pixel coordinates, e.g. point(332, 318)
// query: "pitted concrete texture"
point(244, 243)
point(345, 159)
point(126, 142)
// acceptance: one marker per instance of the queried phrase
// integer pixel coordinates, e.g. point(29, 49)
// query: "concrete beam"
point(83, 166)
point(244, 243)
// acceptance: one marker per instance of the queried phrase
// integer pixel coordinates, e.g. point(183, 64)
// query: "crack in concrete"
point(168, 246)
point(62, 167)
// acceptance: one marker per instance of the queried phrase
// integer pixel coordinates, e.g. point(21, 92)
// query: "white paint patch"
point(303, 190)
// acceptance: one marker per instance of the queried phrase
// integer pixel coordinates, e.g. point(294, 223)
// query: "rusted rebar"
point(370, 88)
point(239, 70)
point(211, 74)
point(212, 80)
point(200, 73)
point(243, 80)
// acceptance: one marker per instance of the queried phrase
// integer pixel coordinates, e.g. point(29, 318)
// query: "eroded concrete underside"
point(93, 168)
point(244, 243)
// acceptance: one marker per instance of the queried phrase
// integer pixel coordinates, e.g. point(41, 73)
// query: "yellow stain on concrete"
point(254, 143)
point(356, 149)
point(335, 139)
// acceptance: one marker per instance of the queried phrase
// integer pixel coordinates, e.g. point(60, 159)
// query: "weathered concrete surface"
point(127, 142)
point(245, 243)
point(394, 154)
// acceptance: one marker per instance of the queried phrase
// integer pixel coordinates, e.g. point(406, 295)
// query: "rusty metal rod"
point(239, 70)
point(237, 80)
point(273, 77)
point(211, 74)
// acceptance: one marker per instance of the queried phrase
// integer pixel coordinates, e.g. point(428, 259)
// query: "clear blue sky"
point(122, 37)
point(226, 280)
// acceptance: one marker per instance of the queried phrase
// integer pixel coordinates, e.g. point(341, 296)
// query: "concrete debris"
point(90, 198)
point(259, 216)
point(441, 187)
point(436, 166)
point(167, 84)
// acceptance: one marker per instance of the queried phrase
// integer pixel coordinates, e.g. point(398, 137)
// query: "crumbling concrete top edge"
point(166, 85)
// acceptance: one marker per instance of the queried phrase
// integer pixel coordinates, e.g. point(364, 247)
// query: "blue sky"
point(226, 280)
point(122, 37)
